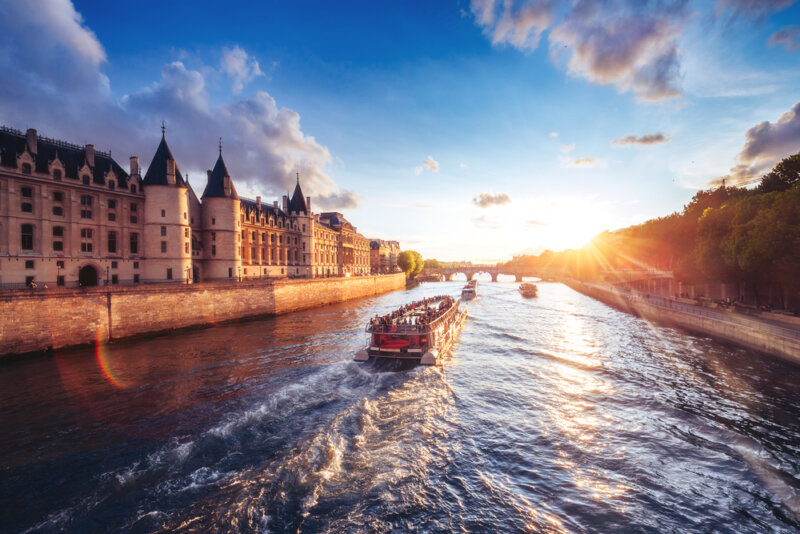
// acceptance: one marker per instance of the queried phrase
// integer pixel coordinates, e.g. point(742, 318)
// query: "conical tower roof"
point(157, 171)
point(298, 201)
point(220, 184)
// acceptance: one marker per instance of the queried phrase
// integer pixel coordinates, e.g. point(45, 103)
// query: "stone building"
point(383, 256)
point(70, 215)
point(342, 250)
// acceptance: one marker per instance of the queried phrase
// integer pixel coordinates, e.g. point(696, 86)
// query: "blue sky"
point(467, 130)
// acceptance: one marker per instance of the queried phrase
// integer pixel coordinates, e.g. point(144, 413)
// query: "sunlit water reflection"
point(555, 414)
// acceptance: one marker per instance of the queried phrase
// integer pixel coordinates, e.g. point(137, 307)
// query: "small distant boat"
point(528, 290)
point(422, 331)
point(470, 290)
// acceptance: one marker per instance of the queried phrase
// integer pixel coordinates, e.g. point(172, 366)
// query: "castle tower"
point(221, 225)
point(300, 211)
point(167, 233)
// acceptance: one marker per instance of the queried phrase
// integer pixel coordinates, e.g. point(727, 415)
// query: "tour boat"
point(470, 290)
point(421, 331)
point(528, 289)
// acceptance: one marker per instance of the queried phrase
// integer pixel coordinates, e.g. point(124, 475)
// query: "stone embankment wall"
point(764, 336)
point(55, 318)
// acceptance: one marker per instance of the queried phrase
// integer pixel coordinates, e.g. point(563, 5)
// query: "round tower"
point(222, 229)
point(167, 232)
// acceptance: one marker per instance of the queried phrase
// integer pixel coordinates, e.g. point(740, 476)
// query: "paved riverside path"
point(764, 335)
point(772, 327)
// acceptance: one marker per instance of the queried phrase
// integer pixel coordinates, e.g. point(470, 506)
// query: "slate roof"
point(216, 182)
point(13, 143)
point(269, 209)
point(157, 171)
point(298, 202)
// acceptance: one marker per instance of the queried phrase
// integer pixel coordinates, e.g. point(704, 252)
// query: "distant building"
point(383, 256)
point(70, 215)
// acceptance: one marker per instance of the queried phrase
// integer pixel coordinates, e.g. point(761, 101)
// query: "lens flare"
point(105, 363)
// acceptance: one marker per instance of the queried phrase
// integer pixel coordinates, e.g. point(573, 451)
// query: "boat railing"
point(405, 329)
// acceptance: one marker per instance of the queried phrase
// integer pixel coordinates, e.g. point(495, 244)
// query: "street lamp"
point(188, 269)
point(107, 275)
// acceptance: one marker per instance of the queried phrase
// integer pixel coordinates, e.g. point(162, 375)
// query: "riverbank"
point(774, 338)
point(57, 318)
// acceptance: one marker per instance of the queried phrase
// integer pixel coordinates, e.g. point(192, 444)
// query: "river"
point(555, 414)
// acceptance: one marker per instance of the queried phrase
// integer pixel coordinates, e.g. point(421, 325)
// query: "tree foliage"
point(410, 261)
point(749, 237)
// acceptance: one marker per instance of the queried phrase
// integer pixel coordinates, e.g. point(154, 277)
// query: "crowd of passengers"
point(413, 317)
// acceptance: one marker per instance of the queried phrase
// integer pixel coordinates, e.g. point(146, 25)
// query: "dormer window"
point(112, 184)
point(56, 174)
point(85, 178)
point(133, 188)
point(26, 168)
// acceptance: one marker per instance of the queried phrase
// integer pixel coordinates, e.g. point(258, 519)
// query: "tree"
point(407, 261)
point(432, 264)
point(418, 263)
point(782, 177)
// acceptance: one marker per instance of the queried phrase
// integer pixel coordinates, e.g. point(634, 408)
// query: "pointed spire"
point(163, 169)
point(220, 184)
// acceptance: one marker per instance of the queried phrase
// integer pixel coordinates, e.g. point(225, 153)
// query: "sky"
point(467, 130)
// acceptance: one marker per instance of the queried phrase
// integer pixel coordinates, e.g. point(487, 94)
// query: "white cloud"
point(643, 140)
point(488, 199)
point(240, 67)
point(463, 165)
point(553, 134)
point(418, 170)
point(53, 81)
point(520, 24)
point(766, 144)
point(565, 149)
point(431, 164)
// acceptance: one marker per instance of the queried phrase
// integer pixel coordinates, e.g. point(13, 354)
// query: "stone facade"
point(383, 256)
point(71, 216)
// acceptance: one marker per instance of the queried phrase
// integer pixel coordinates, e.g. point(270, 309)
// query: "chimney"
point(30, 135)
point(275, 204)
point(89, 149)
point(134, 166)
point(171, 171)
point(308, 203)
point(285, 203)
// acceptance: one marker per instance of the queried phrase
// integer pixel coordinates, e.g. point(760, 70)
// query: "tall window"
point(85, 178)
point(213, 250)
point(86, 207)
point(86, 240)
point(163, 247)
point(134, 217)
point(58, 236)
point(112, 242)
point(169, 274)
point(27, 200)
point(27, 237)
point(56, 174)
point(26, 168)
point(163, 230)
point(134, 243)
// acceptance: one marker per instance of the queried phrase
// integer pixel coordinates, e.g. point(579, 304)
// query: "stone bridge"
point(471, 270)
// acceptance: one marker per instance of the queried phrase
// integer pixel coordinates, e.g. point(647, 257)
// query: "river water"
point(556, 414)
